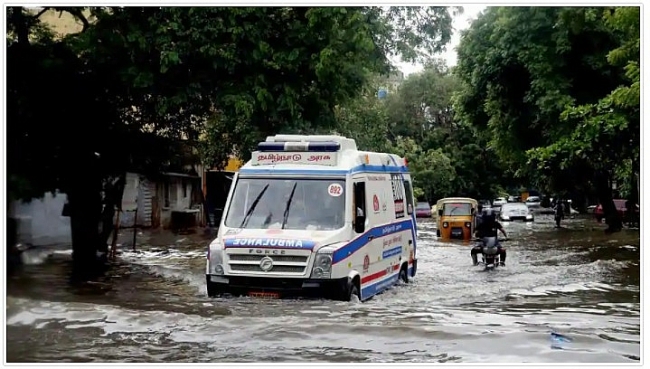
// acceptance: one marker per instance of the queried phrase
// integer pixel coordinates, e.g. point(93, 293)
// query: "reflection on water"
point(151, 307)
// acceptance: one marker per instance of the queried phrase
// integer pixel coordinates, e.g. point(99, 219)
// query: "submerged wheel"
point(354, 291)
point(403, 274)
point(214, 289)
point(346, 293)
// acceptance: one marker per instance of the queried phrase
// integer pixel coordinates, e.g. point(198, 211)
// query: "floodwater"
point(151, 307)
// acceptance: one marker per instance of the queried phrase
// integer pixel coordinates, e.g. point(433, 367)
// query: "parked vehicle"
point(499, 201)
point(514, 198)
point(620, 208)
point(456, 218)
point(423, 209)
point(533, 202)
point(516, 211)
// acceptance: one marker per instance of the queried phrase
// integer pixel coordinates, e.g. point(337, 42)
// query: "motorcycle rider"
point(489, 227)
point(479, 215)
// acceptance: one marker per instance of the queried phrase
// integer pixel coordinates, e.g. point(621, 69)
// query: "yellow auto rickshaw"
point(456, 218)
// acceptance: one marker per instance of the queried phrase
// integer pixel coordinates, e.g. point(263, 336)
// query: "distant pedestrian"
point(559, 212)
point(629, 210)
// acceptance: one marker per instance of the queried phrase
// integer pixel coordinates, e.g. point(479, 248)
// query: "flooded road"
point(152, 307)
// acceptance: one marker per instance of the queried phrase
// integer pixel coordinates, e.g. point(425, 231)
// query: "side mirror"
point(473, 211)
point(440, 212)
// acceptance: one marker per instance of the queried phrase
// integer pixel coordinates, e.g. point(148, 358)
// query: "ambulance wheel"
point(403, 273)
point(214, 289)
point(350, 290)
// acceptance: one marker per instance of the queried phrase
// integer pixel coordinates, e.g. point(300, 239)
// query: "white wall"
point(40, 221)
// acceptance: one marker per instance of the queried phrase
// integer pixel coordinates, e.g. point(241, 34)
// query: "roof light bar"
point(324, 146)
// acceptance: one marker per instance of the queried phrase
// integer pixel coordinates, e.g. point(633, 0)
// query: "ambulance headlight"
point(322, 265)
point(215, 256)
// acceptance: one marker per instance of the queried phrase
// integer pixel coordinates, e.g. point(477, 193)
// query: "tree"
point(324, 73)
point(423, 102)
point(554, 58)
point(606, 133)
point(433, 173)
point(423, 109)
point(416, 119)
point(366, 118)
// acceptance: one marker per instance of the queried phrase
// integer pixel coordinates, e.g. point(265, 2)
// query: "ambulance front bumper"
point(284, 287)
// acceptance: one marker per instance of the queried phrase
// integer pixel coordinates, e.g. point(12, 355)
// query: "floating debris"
point(558, 340)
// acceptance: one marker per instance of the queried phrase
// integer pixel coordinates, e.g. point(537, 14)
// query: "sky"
point(460, 23)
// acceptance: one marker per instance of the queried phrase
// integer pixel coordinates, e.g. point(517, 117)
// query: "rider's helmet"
point(488, 214)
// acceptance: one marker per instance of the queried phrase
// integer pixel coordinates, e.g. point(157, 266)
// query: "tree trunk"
point(604, 192)
point(633, 199)
point(19, 19)
point(84, 199)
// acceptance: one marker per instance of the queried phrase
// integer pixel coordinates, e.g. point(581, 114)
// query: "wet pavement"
point(152, 307)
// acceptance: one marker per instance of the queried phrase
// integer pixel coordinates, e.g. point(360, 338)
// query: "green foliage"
point(576, 116)
point(606, 133)
point(416, 121)
point(411, 32)
point(433, 172)
point(366, 118)
point(422, 103)
point(221, 78)
point(332, 52)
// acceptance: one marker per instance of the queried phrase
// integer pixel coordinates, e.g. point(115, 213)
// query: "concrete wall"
point(40, 221)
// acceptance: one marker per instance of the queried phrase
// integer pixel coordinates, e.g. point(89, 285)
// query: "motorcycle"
point(489, 254)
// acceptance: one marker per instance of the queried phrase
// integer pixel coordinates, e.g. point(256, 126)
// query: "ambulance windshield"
point(298, 204)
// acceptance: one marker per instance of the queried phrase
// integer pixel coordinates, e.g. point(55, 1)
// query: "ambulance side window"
point(359, 203)
point(409, 197)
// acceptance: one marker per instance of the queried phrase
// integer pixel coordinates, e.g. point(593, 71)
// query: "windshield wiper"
point(286, 210)
point(244, 221)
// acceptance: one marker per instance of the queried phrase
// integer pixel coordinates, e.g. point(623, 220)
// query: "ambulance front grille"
point(276, 259)
point(250, 263)
point(276, 268)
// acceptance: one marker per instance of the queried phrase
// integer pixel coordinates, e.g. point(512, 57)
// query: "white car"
point(533, 202)
point(499, 201)
point(515, 211)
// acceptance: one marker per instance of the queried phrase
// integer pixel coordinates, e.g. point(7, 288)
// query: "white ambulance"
point(312, 215)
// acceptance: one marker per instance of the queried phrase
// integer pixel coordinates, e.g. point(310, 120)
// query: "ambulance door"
point(361, 260)
point(359, 208)
point(411, 236)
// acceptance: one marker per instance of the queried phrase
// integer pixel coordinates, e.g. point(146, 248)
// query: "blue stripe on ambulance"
point(377, 232)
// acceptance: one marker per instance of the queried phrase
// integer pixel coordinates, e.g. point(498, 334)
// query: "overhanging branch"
point(77, 13)
point(38, 15)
